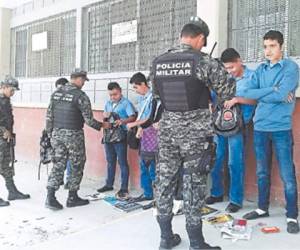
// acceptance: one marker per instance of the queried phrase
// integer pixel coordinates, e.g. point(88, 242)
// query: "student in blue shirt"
point(234, 144)
point(273, 86)
point(118, 150)
point(149, 138)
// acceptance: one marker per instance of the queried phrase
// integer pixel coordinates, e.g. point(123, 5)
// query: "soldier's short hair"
point(230, 55)
point(138, 78)
point(113, 85)
point(191, 30)
point(61, 82)
point(274, 35)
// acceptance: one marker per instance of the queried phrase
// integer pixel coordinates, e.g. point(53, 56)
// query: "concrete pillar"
point(215, 14)
point(5, 17)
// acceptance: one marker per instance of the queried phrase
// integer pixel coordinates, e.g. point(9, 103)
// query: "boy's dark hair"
point(61, 82)
point(230, 55)
point(138, 78)
point(190, 30)
point(113, 85)
point(274, 35)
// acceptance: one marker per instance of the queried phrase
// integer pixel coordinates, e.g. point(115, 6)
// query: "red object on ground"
point(270, 230)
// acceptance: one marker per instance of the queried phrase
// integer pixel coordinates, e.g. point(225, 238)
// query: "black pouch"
point(115, 134)
point(132, 141)
point(208, 158)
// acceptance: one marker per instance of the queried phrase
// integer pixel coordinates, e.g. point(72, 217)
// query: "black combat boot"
point(3, 203)
point(13, 192)
point(168, 240)
point(74, 200)
point(51, 201)
point(196, 238)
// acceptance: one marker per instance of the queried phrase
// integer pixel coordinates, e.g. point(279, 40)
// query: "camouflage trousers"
point(5, 169)
point(182, 139)
point(67, 145)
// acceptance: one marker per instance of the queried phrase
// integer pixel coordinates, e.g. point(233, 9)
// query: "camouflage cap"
point(200, 23)
point(11, 81)
point(79, 73)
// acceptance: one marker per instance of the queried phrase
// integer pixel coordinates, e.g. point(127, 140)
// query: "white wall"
point(5, 16)
point(215, 14)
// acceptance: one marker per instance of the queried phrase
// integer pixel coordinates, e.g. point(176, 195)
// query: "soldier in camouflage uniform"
point(7, 89)
point(69, 109)
point(182, 78)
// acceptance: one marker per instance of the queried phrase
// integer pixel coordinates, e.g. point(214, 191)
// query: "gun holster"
point(205, 160)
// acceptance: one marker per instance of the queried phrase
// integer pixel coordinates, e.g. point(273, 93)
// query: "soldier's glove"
point(207, 159)
point(7, 135)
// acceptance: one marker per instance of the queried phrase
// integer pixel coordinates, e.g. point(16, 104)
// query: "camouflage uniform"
point(68, 144)
point(183, 137)
point(6, 123)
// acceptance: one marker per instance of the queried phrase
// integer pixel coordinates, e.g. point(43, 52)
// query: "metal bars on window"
point(158, 28)
point(160, 25)
point(21, 52)
point(249, 20)
point(59, 56)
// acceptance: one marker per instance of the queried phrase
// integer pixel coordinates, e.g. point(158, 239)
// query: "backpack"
point(45, 151)
point(227, 127)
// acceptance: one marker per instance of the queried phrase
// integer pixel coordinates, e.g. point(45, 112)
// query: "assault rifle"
point(213, 48)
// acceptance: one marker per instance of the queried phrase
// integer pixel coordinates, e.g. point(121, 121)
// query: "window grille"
point(249, 20)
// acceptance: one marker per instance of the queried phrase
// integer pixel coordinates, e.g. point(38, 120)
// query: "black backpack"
point(45, 151)
point(115, 134)
point(226, 127)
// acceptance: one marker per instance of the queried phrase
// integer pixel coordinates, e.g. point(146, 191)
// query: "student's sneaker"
point(211, 200)
point(149, 205)
point(105, 189)
point(293, 227)
point(255, 215)
point(141, 198)
point(232, 208)
point(122, 194)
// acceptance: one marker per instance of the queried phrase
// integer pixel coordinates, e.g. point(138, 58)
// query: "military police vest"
point(176, 81)
point(6, 115)
point(66, 113)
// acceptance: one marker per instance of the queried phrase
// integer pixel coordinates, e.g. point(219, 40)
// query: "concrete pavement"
point(28, 225)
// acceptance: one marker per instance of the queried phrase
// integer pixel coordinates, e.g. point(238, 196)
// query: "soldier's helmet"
point(11, 81)
point(79, 73)
point(201, 24)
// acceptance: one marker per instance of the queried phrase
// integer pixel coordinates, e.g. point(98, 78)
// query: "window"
point(59, 56)
point(249, 20)
point(158, 28)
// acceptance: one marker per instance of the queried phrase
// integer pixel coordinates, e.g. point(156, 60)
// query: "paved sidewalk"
point(28, 225)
